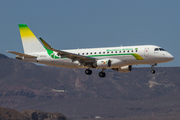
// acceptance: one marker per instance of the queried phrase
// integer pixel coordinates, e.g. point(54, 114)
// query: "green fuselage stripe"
point(137, 56)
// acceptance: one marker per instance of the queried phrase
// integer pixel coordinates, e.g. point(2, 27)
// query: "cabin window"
point(132, 51)
point(91, 53)
point(108, 52)
point(103, 52)
point(128, 51)
point(115, 51)
point(86, 53)
point(94, 52)
point(112, 52)
point(124, 51)
point(136, 50)
point(99, 52)
point(119, 51)
point(82, 53)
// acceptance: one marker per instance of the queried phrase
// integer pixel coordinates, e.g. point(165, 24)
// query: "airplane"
point(119, 58)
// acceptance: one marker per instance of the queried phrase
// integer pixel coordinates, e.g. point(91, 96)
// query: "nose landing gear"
point(153, 71)
point(152, 67)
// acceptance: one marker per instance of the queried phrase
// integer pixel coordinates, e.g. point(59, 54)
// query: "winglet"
point(45, 44)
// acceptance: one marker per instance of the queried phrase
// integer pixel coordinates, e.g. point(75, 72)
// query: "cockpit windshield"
point(159, 49)
point(156, 49)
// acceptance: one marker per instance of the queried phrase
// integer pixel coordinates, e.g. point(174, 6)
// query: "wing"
point(21, 54)
point(72, 56)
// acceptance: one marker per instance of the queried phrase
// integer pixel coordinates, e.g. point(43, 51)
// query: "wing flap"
point(21, 54)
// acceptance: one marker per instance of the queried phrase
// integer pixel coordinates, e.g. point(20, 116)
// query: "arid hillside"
point(11, 114)
point(24, 85)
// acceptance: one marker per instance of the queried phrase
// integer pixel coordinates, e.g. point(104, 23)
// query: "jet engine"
point(124, 69)
point(110, 62)
point(103, 63)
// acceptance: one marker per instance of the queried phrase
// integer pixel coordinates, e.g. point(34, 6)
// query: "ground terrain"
point(135, 95)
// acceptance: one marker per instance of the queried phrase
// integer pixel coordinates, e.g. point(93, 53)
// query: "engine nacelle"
point(124, 69)
point(103, 63)
point(109, 62)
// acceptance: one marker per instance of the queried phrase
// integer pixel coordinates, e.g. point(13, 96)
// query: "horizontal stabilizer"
point(21, 54)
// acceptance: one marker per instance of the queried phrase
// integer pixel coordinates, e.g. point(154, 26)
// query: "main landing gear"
point(152, 67)
point(88, 72)
point(101, 74)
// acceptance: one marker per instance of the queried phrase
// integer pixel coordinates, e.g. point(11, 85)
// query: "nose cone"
point(169, 57)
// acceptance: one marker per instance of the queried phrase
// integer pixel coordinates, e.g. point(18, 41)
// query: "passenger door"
point(146, 52)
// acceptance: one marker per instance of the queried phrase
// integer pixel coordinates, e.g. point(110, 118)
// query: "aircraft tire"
point(88, 72)
point(102, 74)
point(153, 71)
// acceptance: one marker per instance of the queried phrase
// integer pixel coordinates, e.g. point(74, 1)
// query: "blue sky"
point(69, 24)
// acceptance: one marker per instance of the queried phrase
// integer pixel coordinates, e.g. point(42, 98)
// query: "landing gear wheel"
point(152, 67)
point(102, 74)
point(152, 71)
point(88, 72)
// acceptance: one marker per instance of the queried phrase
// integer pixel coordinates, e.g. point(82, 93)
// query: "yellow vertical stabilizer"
point(30, 43)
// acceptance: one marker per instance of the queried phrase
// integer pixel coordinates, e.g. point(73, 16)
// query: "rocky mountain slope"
point(22, 81)
point(11, 114)
point(19, 78)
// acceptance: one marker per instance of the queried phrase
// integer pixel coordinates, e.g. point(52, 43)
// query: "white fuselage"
point(127, 55)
